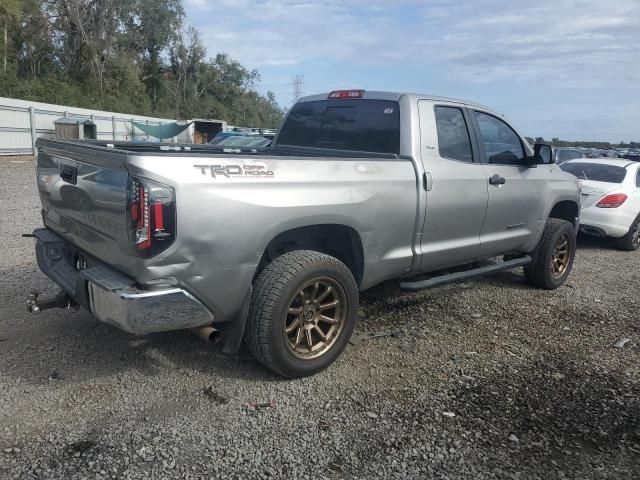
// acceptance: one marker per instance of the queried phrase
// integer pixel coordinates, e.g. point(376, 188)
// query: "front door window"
point(501, 144)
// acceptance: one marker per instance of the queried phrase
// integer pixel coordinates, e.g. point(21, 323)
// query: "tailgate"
point(84, 198)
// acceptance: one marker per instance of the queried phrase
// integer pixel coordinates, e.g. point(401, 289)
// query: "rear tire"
point(552, 259)
point(631, 241)
point(302, 313)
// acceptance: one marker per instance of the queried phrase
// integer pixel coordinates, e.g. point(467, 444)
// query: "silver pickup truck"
point(272, 246)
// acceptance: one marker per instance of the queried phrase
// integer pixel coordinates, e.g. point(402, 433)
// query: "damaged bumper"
point(113, 297)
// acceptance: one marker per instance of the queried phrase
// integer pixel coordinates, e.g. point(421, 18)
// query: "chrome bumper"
point(141, 312)
point(112, 297)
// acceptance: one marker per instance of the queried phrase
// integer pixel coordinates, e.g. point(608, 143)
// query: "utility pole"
point(297, 82)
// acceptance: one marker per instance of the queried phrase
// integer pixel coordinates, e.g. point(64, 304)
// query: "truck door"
point(456, 185)
point(516, 191)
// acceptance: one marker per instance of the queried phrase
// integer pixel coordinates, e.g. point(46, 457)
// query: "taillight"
point(612, 201)
point(341, 94)
point(152, 216)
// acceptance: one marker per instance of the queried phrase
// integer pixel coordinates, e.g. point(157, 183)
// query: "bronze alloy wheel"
point(303, 309)
point(552, 259)
point(315, 318)
point(561, 256)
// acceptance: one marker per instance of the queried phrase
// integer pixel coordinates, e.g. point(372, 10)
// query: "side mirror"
point(543, 154)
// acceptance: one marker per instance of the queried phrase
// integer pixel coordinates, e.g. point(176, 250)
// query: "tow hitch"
point(60, 300)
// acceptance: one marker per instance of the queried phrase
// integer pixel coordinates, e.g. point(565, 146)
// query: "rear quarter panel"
point(226, 222)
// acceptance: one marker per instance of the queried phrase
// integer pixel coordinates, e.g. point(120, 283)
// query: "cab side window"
point(638, 179)
point(501, 144)
point(453, 135)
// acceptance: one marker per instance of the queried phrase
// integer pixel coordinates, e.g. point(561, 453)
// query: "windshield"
point(357, 125)
point(598, 172)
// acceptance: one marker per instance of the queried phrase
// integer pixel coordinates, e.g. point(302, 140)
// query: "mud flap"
point(233, 331)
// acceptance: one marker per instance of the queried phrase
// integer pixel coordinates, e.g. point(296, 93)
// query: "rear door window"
point(453, 134)
point(354, 125)
point(501, 144)
point(598, 172)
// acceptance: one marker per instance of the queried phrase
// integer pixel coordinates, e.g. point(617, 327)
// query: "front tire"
point(631, 241)
point(302, 313)
point(552, 259)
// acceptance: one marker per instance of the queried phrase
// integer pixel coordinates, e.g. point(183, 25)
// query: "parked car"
point(274, 246)
point(220, 136)
point(597, 153)
point(634, 156)
point(610, 199)
point(244, 142)
point(562, 154)
point(269, 134)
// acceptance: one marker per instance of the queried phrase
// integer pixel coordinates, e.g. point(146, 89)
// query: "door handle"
point(69, 174)
point(427, 181)
point(497, 180)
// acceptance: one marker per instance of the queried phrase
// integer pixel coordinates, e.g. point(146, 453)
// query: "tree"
point(87, 30)
point(134, 56)
point(186, 56)
point(33, 41)
point(10, 10)
point(151, 27)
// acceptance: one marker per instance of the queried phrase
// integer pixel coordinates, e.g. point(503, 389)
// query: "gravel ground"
point(485, 379)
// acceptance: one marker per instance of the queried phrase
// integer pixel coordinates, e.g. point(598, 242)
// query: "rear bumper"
point(592, 230)
point(113, 297)
point(607, 222)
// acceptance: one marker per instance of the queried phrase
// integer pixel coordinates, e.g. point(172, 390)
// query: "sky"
point(555, 68)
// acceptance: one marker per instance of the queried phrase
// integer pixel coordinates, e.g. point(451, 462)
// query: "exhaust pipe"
point(208, 334)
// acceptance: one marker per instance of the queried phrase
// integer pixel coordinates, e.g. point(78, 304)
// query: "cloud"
point(197, 4)
point(584, 42)
point(587, 42)
point(271, 32)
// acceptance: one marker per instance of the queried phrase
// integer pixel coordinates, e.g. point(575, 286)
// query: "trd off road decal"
point(253, 170)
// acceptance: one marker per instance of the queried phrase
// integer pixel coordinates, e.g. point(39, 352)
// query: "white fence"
point(22, 122)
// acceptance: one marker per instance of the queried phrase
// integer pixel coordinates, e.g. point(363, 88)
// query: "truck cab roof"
point(396, 96)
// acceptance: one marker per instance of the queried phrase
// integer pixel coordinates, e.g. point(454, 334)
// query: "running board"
point(475, 272)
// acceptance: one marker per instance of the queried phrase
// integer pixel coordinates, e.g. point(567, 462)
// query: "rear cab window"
point(360, 125)
point(597, 172)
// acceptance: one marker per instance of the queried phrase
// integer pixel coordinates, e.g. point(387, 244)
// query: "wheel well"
point(339, 241)
point(565, 210)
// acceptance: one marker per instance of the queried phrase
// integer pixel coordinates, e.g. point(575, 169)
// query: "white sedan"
point(610, 198)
